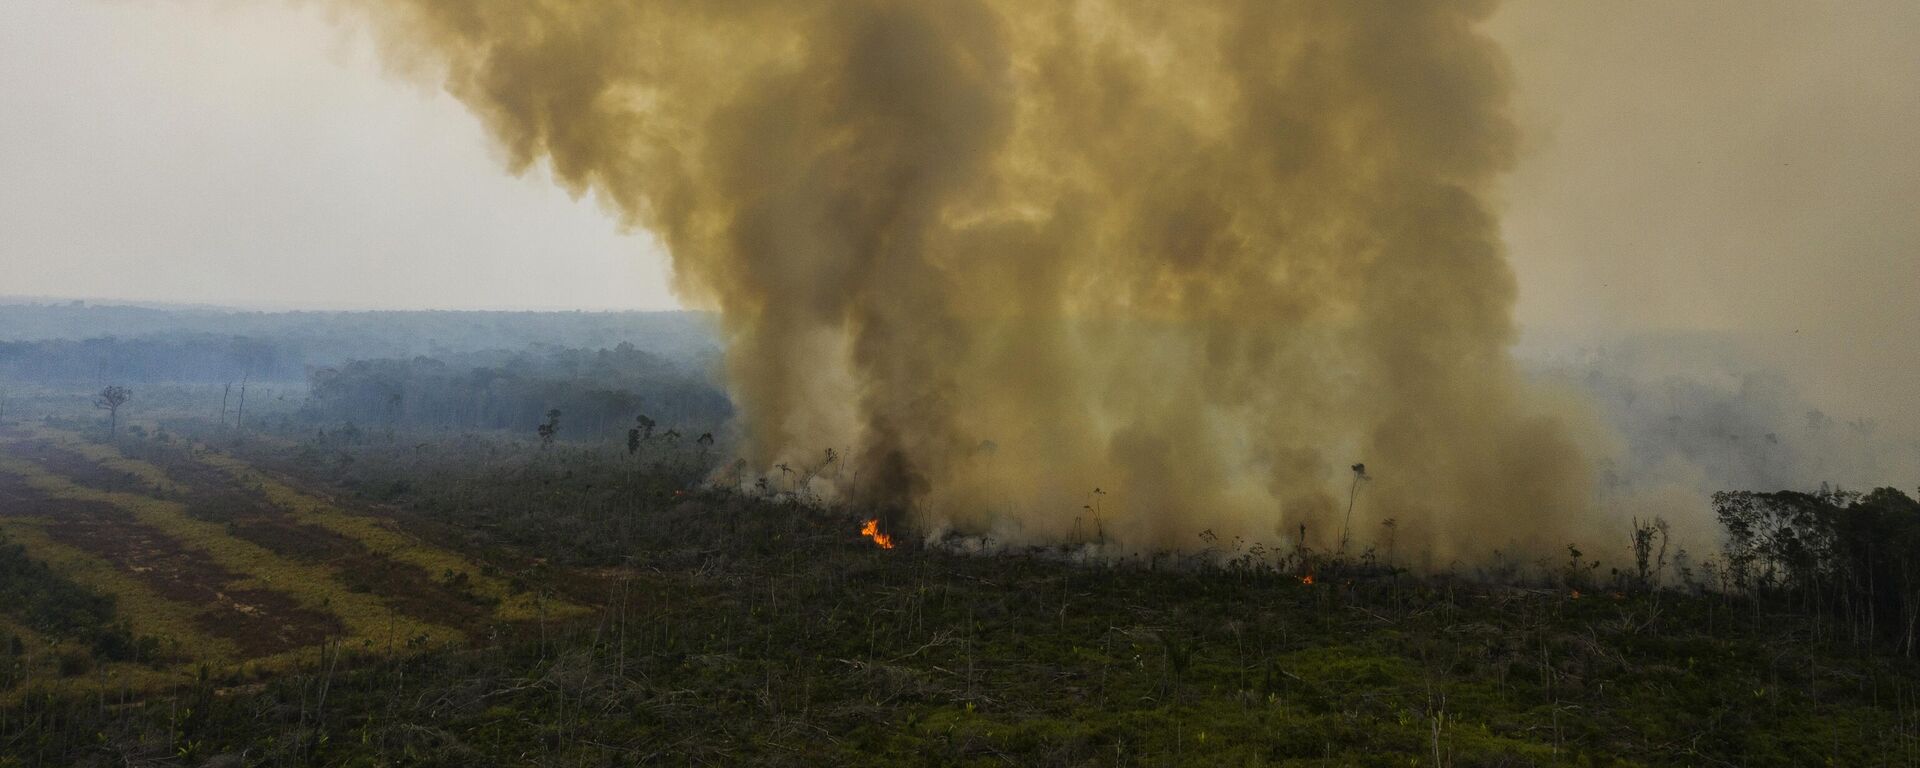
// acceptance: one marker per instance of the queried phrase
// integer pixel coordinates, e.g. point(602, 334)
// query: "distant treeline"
point(1854, 556)
point(433, 370)
point(77, 343)
point(218, 343)
point(180, 358)
point(599, 393)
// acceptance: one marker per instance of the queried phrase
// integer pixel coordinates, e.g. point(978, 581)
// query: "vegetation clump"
point(56, 607)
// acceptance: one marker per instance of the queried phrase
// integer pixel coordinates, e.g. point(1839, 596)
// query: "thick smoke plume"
point(1203, 256)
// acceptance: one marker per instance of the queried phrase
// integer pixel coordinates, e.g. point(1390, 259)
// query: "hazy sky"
point(1738, 165)
point(252, 154)
point(1718, 164)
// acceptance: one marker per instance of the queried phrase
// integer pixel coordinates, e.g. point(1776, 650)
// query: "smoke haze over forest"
point(959, 382)
point(1710, 201)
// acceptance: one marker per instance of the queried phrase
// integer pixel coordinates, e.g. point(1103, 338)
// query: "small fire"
point(1307, 580)
point(1576, 594)
point(872, 531)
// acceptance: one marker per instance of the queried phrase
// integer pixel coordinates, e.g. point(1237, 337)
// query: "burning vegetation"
point(934, 227)
point(871, 530)
point(968, 256)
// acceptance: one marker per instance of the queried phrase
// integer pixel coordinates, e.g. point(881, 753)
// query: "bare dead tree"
point(1359, 475)
point(240, 413)
point(110, 400)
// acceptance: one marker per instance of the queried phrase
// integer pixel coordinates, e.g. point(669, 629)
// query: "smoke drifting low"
point(1202, 256)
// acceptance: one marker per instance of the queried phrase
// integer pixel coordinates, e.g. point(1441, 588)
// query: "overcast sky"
point(1750, 166)
point(252, 154)
point(1736, 165)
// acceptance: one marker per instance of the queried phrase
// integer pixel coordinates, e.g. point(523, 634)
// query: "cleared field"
point(256, 620)
point(224, 567)
point(380, 536)
point(138, 603)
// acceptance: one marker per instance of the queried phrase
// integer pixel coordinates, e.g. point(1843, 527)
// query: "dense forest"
point(1852, 556)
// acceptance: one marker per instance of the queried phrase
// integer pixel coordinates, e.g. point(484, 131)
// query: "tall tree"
point(110, 400)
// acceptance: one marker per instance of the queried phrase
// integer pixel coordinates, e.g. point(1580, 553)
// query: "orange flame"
point(1307, 579)
point(872, 531)
point(1576, 594)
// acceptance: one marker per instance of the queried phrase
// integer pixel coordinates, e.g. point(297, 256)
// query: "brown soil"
point(212, 495)
point(260, 622)
point(79, 468)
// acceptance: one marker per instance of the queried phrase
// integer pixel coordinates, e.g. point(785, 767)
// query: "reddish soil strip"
point(213, 495)
point(208, 497)
point(582, 587)
point(260, 622)
point(78, 467)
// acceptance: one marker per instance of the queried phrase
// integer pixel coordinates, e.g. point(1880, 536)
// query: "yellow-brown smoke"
point(1201, 255)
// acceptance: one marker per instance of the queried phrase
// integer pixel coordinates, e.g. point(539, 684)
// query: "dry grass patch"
point(106, 456)
point(381, 538)
point(145, 610)
point(366, 618)
point(210, 494)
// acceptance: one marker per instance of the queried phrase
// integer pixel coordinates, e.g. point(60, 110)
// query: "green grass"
point(368, 621)
point(397, 545)
point(148, 613)
point(107, 456)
